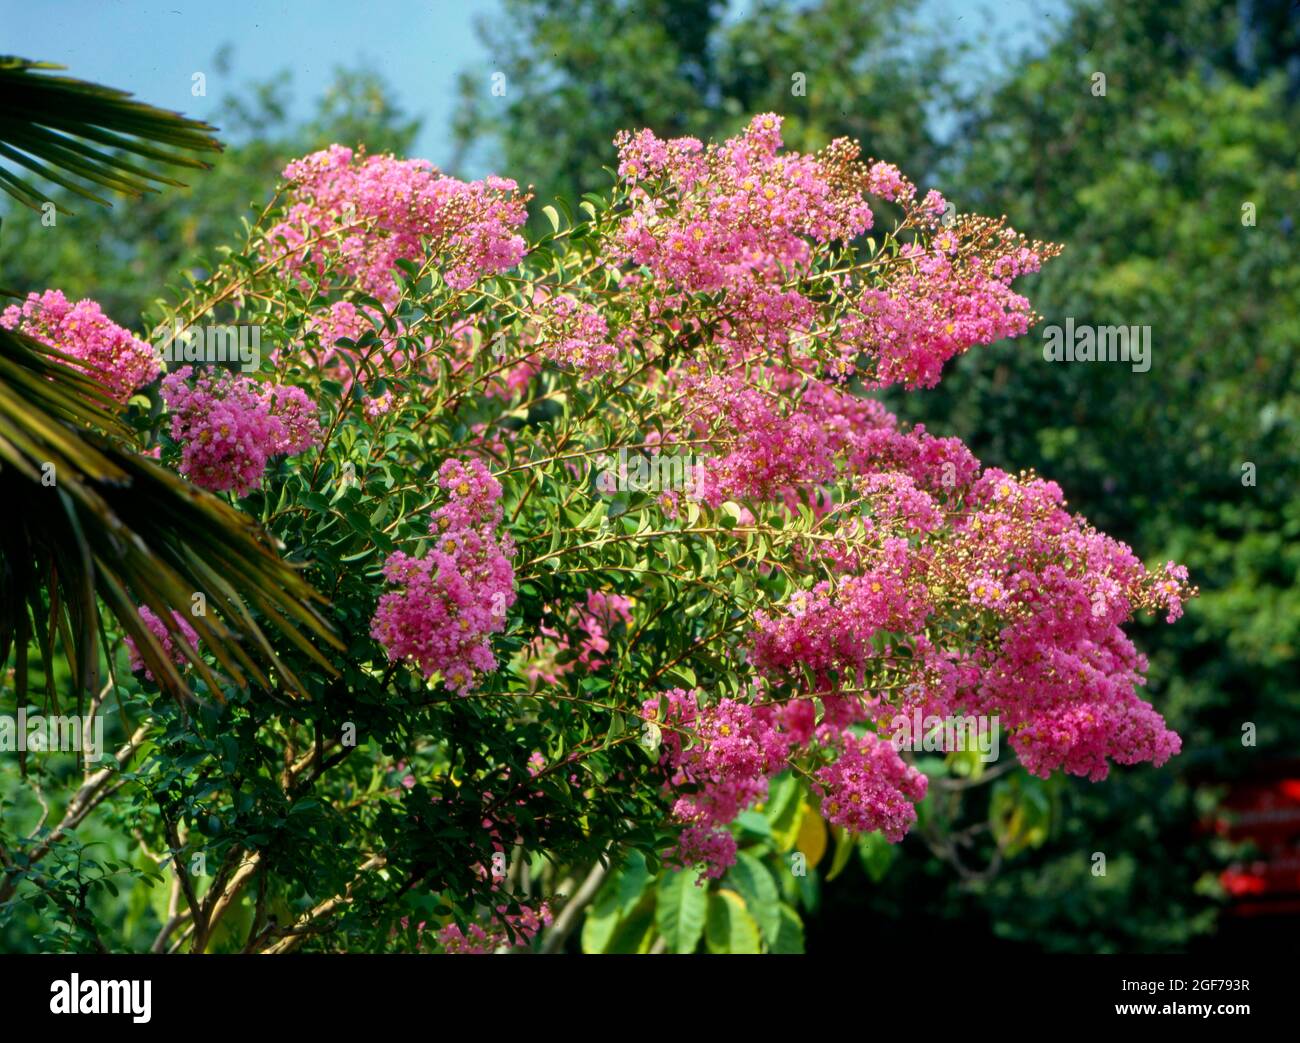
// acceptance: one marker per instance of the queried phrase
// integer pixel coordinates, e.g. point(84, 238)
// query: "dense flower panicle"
point(737, 218)
point(170, 648)
point(869, 787)
point(937, 309)
point(576, 336)
point(229, 426)
point(112, 355)
point(768, 448)
point(752, 225)
point(719, 759)
point(712, 850)
point(1041, 596)
point(448, 603)
point(829, 629)
point(365, 213)
point(296, 413)
point(781, 435)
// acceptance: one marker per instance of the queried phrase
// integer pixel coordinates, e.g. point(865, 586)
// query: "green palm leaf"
point(78, 134)
point(90, 518)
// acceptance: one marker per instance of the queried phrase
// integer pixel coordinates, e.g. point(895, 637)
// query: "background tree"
point(575, 72)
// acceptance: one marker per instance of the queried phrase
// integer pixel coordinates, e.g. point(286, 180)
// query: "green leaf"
point(754, 883)
point(680, 910)
point(789, 940)
point(601, 920)
point(730, 927)
point(784, 804)
point(844, 846)
point(755, 823)
point(1020, 813)
point(876, 855)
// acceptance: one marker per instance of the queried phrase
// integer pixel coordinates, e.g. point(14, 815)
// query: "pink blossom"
point(229, 426)
point(366, 213)
point(170, 648)
point(112, 355)
point(448, 603)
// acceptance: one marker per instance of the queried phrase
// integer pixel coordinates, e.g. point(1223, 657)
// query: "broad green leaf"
point(730, 927)
point(680, 910)
point(605, 913)
point(751, 879)
point(789, 939)
point(876, 855)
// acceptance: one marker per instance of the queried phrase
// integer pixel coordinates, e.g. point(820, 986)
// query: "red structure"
point(1264, 811)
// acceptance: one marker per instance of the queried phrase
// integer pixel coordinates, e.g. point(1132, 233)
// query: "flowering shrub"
point(449, 602)
point(546, 675)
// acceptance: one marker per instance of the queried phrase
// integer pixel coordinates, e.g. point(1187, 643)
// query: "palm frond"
point(88, 520)
point(78, 135)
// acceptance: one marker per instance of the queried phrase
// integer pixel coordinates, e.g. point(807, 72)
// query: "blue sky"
point(419, 46)
point(154, 49)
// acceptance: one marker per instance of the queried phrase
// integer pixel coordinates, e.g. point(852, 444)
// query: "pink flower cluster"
point(1032, 595)
point(751, 227)
point(511, 930)
point(230, 425)
point(935, 307)
point(362, 214)
point(112, 355)
point(720, 758)
point(829, 629)
point(738, 219)
point(1064, 675)
point(765, 449)
point(449, 602)
point(868, 787)
point(780, 434)
point(169, 647)
point(575, 336)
